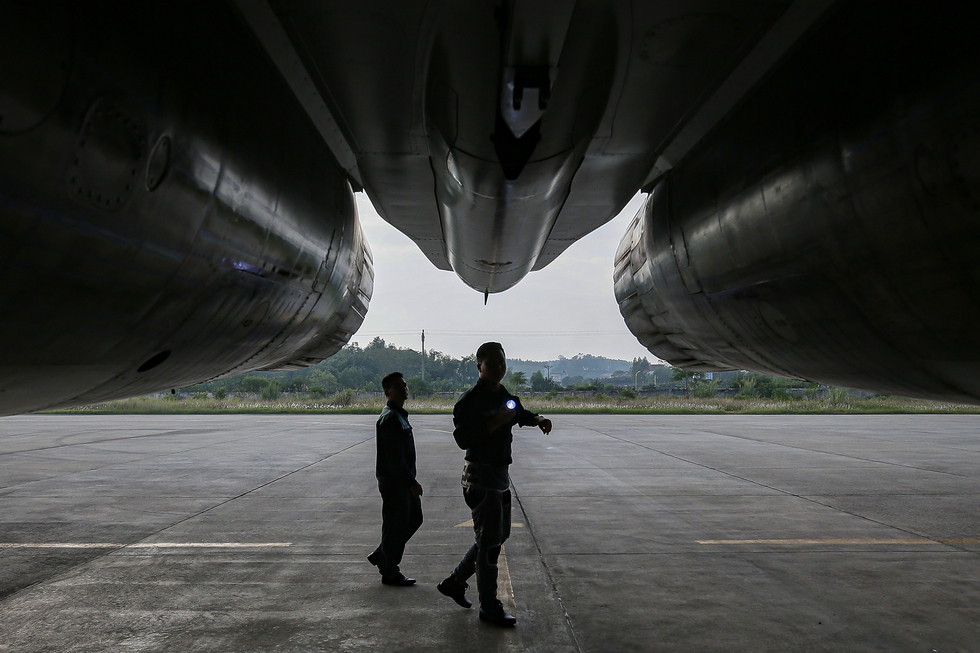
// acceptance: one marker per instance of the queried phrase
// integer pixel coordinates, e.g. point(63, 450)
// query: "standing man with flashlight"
point(483, 417)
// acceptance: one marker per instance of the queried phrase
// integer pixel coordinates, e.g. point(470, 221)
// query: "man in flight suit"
point(401, 507)
point(483, 417)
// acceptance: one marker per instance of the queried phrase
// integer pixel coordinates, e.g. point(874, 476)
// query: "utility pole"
point(548, 367)
point(423, 354)
point(637, 374)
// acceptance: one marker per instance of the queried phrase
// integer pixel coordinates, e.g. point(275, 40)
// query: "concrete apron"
point(631, 533)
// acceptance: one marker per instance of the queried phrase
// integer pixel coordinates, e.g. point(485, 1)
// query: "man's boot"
point(493, 612)
point(456, 590)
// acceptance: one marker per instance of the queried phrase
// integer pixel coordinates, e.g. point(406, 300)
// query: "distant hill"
point(584, 365)
point(361, 369)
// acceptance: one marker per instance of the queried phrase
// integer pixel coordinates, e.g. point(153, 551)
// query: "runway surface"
point(631, 533)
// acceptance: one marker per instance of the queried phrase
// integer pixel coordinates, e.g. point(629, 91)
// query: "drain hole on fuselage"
point(154, 361)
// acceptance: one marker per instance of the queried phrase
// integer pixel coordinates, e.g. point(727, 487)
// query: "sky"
point(566, 309)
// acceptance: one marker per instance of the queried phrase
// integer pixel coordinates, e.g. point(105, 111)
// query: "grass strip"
point(568, 405)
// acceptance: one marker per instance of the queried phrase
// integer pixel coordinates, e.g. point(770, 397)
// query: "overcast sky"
point(566, 309)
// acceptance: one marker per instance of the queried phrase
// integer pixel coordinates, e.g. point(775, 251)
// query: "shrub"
point(321, 382)
point(781, 395)
point(419, 387)
point(837, 395)
point(254, 384)
point(811, 390)
point(271, 391)
point(344, 398)
point(702, 388)
point(746, 387)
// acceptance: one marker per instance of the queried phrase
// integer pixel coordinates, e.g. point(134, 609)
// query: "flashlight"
point(511, 404)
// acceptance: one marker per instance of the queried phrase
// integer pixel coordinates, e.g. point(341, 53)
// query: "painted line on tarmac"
point(505, 592)
point(144, 545)
point(918, 540)
point(505, 589)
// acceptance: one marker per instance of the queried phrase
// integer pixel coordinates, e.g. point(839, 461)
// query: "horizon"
point(429, 350)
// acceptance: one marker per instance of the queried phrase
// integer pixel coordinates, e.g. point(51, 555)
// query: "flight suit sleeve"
point(470, 423)
point(524, 416)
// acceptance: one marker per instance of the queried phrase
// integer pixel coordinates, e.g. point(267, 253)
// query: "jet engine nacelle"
point(830, 228)
point(168, 213)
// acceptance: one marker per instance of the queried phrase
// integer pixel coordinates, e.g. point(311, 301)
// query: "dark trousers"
point(491, 524)
point(401, 516)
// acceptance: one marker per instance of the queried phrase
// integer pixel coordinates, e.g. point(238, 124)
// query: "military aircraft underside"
point(829, 228)
point(176, 179)
point(168, 214)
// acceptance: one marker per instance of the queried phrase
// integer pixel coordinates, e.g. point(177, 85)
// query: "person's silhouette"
point(483, 417)
point(401, 508)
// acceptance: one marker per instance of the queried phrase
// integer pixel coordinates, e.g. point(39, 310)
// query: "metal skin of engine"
point(829, 228)
point(168, 212)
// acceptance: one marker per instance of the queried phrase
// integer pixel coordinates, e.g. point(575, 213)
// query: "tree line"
point(357, 369)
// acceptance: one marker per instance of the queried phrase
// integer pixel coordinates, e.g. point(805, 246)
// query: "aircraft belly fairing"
point(495, 134)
